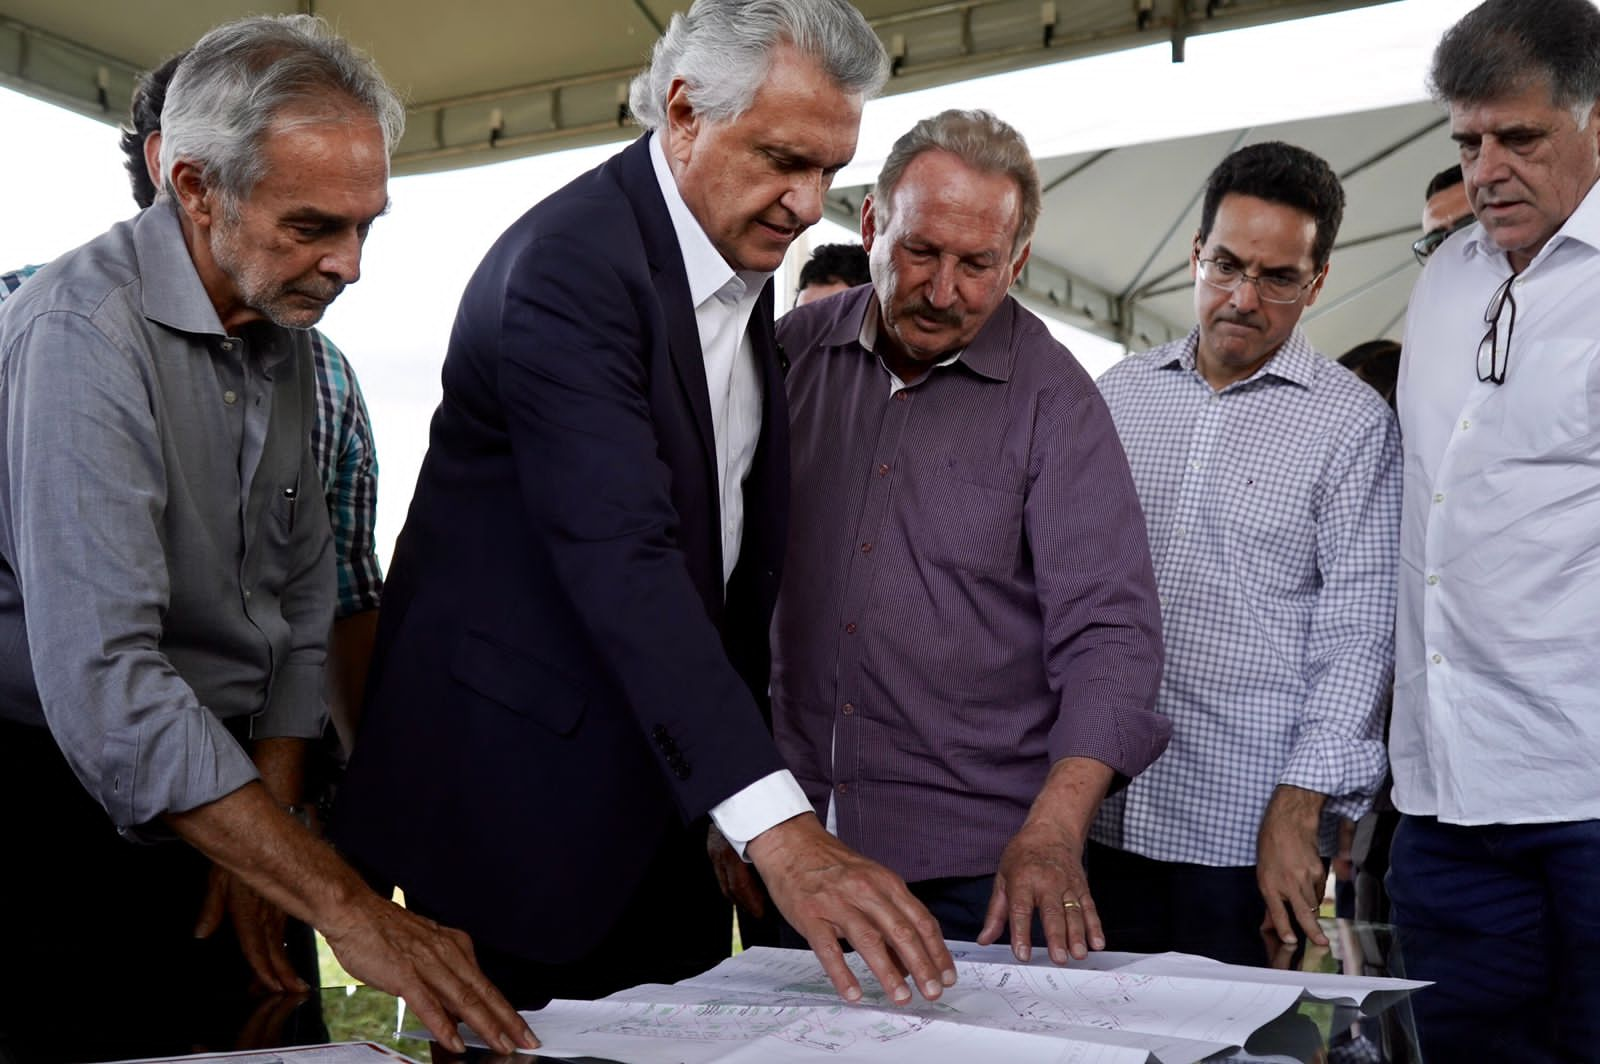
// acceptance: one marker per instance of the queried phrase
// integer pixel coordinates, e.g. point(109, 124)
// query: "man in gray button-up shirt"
point(165, 597)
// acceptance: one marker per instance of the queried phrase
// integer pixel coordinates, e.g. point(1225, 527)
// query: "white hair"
point(238, 79)
point(723, 48)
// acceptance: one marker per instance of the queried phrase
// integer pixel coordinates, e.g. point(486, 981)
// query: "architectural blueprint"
point(775, 1005)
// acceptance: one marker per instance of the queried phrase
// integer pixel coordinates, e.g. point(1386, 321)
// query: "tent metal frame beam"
point(932, 43)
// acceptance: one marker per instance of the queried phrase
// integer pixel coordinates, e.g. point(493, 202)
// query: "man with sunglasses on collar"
point(1270, 479)
point(1495, 743)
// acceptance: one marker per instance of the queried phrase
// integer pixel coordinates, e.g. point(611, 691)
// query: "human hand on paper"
point(432, 967)
point(1289, 871)
point(739, 884)
point(1042, 870)
point(1042, 867)
point(257, 923)
point(827, 891)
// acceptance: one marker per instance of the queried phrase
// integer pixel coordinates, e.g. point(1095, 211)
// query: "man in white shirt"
point(1495, 742)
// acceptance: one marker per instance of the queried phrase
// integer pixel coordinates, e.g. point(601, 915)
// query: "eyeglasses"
point(1219, 273)
point(1494, 350)
point(1429, 243)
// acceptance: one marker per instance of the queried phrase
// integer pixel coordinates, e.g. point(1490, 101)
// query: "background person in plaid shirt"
point(1270, 479)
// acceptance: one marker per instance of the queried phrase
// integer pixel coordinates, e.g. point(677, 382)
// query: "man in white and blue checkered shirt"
point(1270, 479)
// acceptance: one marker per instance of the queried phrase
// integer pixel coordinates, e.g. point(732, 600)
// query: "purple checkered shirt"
point(968, 595)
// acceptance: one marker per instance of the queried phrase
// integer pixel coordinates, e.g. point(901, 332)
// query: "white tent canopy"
point(491, 79)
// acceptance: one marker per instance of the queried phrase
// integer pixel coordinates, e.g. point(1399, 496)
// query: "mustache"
point(326, 293)
point(939, 316)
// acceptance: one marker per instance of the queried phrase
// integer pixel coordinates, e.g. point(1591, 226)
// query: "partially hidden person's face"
point(1238, 329)
point(756, 182)
point(819, 290)
point(1445, 208)
point(288, 249)
point(1527, 164)
point(941, 257)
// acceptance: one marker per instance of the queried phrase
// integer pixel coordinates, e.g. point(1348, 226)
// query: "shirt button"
point(1438, 659)
point(883, 470)
point(844, 788)
point(230, 397)
point(1165, 602)
point(1439, 497)
point(849, 708)
point(1466, 424)
point(903, 396)
point(1194, 465)
point(1432, 579)
point(1178, 531)
point(227, 345)
point(850, 629)
point(247, 593)
point(866, 548)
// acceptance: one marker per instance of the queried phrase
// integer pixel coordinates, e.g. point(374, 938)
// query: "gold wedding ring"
point(1071, 903)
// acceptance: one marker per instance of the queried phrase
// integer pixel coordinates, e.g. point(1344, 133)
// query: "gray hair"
point(239, 78)
point(723, 48)
point(980, 140)
point(1503, 47)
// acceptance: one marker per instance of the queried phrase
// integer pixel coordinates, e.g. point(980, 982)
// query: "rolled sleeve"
point(85, 486)
point(1096, 588)
point(1338, 749)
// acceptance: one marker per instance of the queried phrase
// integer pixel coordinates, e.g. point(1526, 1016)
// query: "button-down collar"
point(173, 293)
point(1583, 225)
point(989, 355)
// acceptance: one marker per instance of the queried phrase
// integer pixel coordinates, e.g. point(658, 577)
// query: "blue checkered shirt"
point(345, 456)
point(1273, 510)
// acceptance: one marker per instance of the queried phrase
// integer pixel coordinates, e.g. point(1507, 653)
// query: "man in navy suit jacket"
point(573, 645)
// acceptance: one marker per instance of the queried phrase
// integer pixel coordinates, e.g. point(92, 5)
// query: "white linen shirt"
point(723, 301)
point(1497, 684)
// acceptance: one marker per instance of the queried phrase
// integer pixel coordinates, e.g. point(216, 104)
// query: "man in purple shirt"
point(967, 645)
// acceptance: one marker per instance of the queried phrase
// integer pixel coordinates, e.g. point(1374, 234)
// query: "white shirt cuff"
point(766, 803)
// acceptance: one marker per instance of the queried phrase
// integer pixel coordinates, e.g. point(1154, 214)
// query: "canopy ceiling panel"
point(494, 79)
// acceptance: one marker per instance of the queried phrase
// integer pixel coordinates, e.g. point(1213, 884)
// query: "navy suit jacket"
point(558, 675)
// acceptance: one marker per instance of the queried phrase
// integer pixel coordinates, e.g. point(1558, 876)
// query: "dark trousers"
point(99, 959)
point(1503, 918)
point(677, 924)
point(1150, 906)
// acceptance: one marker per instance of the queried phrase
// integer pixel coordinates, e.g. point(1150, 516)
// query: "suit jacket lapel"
point(638, 178)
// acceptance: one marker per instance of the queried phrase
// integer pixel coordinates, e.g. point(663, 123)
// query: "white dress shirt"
point(723, 300)
point(1497, 685)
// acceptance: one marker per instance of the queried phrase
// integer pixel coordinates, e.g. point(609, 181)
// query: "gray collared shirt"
point(161, 573)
